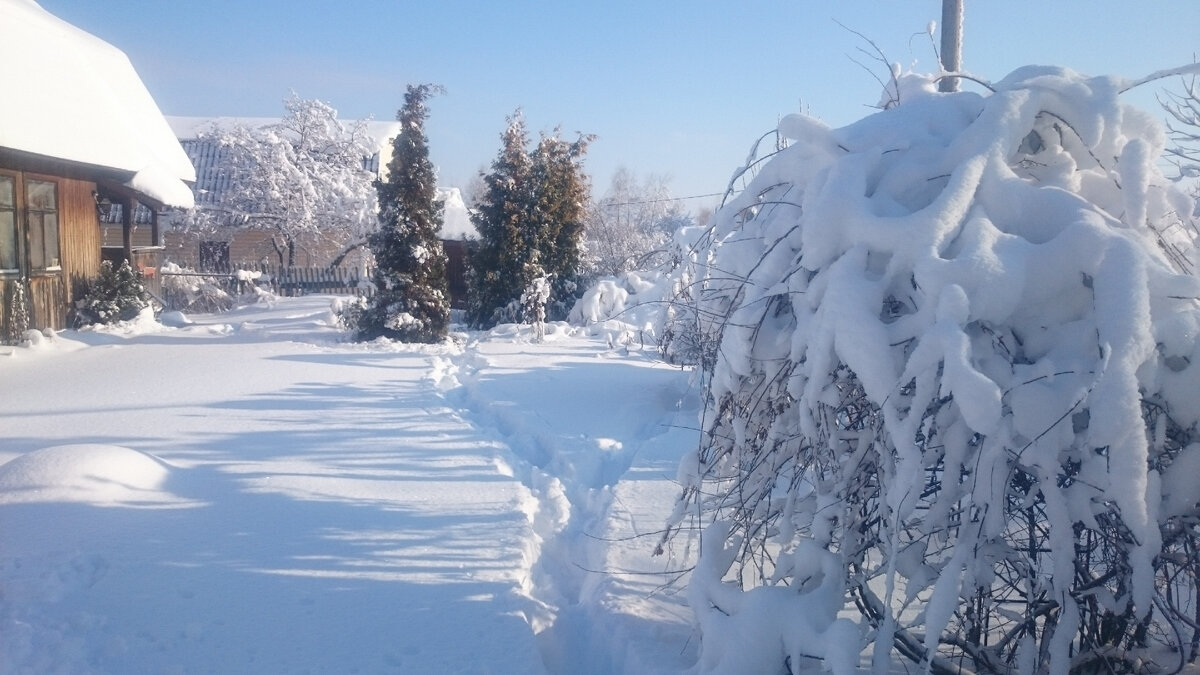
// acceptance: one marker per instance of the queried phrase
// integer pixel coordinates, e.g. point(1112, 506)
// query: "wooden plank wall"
point(79, 235)
point(47, 296)
point(51, 296)
point(252, 247)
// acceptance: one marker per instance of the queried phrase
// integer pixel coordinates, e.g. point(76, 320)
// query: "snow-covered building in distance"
point(231, 247)
point(227, 247)
point(79, 132)
point(457, 231)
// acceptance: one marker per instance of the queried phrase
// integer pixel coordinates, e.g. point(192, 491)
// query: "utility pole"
point(952, 33)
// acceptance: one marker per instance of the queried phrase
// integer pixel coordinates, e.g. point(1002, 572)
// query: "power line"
point(666, 199)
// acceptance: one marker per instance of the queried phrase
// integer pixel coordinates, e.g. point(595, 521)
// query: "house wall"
point(50, 294)
point(79, 234)
point(252, 247)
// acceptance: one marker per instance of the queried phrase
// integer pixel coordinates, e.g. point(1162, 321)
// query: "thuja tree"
point(562, 193)
point(530, 224)
point(411, 298)
point(953, 389)
point(506, 242)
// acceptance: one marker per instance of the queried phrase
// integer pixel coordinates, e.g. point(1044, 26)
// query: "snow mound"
point(105, 475)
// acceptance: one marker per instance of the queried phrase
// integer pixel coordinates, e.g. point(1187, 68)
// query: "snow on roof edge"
point(88, 104)
point(185, 127)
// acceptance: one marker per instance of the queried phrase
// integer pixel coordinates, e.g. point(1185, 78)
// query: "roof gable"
point(82, 101)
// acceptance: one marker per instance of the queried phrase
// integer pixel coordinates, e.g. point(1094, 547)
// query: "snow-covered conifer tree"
point(506, 242)
point(562, 195)
point(411, 302)
point(529, 217)
point(16, 315)
point(115, 295)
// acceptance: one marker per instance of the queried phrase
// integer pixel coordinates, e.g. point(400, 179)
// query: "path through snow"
point(327, 507)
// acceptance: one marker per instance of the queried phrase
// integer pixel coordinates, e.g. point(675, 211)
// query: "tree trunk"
point(952, 32)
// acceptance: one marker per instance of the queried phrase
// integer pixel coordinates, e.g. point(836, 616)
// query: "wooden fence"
point(294, 281)
point(284, 281)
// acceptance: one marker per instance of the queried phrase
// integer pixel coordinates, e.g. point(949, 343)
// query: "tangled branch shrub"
point(194, 291)
point(956, 348)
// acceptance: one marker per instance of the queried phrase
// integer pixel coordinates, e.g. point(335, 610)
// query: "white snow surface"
point(249, 493)
point(81, 100)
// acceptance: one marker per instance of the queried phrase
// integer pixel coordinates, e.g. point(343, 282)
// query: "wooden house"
point(82, 134)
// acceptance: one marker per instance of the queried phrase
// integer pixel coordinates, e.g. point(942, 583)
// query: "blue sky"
point(669, 87)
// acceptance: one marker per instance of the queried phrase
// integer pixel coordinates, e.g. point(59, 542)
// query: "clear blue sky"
point(670, 87)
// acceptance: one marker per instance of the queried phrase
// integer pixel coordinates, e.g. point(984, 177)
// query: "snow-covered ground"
point(248, 493)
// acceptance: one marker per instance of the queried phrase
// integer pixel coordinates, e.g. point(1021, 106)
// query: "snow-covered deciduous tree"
point(953, 378)
point(631, 221)
point(301, 179)
point(411, 302)
point(530, 223)
point(1183, 125)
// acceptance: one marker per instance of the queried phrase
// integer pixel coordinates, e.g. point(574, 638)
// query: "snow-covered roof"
point(456, 219)
point(190, 128)
point(79, 99)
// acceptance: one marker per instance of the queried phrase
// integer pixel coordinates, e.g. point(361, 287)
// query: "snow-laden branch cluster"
point(955, 346)
point(301, 179)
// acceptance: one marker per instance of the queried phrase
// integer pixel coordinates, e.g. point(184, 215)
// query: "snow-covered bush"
point(658, 305)
point(202, 293)
point(115, 295)
point(534, 300)
point(954, 346)
point(16, 319)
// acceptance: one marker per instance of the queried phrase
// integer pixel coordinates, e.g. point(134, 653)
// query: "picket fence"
point(282, 281)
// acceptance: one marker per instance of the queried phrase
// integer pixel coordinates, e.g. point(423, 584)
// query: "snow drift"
point(103, 475)
point(953, 345)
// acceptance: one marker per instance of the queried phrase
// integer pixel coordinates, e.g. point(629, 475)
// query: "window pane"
point(37, 257)
point(7, 192)
point(50, 237)
point(8, 239)
point(40, 196)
